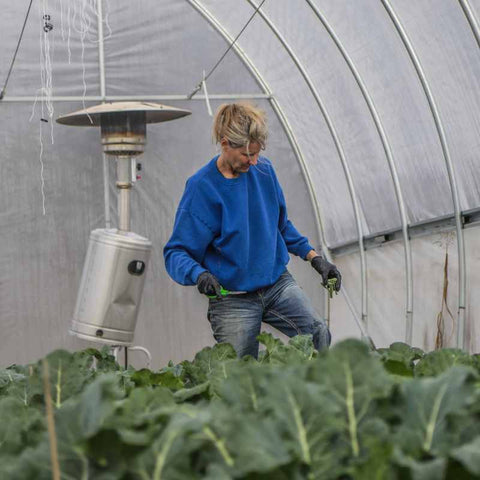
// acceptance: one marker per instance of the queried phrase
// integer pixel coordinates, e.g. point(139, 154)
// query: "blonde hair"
point(241, 124)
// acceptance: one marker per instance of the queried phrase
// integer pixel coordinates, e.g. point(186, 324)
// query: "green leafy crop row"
point(348, 413)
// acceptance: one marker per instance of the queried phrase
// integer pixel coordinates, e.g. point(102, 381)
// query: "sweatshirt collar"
point(219, 174)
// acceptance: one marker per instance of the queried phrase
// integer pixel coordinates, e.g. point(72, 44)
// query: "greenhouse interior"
point(373, 114)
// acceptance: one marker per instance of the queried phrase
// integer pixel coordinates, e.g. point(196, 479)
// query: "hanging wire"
point(2, 93)
point(45, 91)
point(200, 85)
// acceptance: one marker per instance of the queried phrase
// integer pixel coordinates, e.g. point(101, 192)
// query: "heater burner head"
point(124, 133)
point(123, 124)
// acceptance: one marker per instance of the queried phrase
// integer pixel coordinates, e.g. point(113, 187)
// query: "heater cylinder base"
point(90, 336)
point(111, 287)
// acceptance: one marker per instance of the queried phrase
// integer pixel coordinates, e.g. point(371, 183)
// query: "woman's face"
point(240, 159)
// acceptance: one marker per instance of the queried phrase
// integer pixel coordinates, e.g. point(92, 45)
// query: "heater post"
point(113, 275)
point(124, 185)
point(124, 210)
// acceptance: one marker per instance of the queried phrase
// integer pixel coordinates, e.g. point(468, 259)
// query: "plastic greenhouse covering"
point(374, 125)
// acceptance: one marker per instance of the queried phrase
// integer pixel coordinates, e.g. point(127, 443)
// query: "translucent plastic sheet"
point(452, 66)
point(386, 299)
point(162, 47)
point(73, 42)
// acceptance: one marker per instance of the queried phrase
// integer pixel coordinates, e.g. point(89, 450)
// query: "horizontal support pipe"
point(469, 218)
point(124, 98)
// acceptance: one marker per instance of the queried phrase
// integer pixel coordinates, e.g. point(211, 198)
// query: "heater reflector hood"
point(92, 116)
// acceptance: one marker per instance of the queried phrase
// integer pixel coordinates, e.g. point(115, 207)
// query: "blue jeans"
point(237, 319)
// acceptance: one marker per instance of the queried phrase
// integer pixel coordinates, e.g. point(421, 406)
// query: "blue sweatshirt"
point(236, 228)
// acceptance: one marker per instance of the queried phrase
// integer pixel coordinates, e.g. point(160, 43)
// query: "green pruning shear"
point(224, 293)
point(331, 282)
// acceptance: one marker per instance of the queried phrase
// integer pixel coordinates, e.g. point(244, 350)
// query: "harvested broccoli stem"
point(331, 282)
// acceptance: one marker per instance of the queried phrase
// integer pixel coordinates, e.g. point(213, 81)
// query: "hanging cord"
point(444, 241)
point(2, 93)
point(200, 85)
point(440, 341)
point(45, 91)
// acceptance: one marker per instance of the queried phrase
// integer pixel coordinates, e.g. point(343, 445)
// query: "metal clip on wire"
point(47, 26)
point(207, 100)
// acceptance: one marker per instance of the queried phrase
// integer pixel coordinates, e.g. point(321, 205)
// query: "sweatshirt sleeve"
point(186, 248)
point(296, 243)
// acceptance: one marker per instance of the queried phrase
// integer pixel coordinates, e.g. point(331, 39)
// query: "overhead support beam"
point(125, 98)
point(451, 172)
point(341, 153)
point(446, 223)
point(392, 167)
point(288, 131)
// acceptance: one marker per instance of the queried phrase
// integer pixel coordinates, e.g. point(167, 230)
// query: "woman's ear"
point(224, 143)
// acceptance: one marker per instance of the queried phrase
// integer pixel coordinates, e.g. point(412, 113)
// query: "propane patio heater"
point(114, 270)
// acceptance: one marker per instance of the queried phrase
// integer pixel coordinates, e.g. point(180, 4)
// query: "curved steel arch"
point(266, 89)
point(472, 19)
point(288, 131)
point(450, 170)
point(391, 164)
point(338, 145)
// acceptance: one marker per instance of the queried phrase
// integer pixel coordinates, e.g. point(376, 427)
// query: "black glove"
point(208, 285)
point(327, 270)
